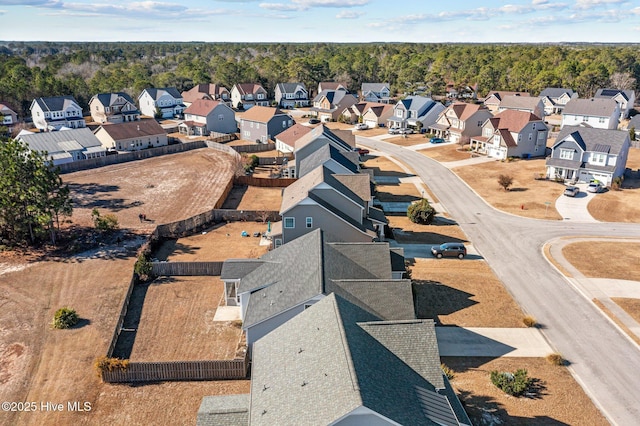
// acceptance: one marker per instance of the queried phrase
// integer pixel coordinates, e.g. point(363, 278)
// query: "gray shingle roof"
point(108, 99)
point(634, 122)
point(590, 138)
point(320, 156)
point(335, 357)
point(238, 268)
point(56, 103)
point(527, 102)
point(374, 87)
point(555, 92)
point(64, 140)
point(610, 93)
point(156, 93)
point(227, 410)
point(593, 107)
point(387, 299)
point(397, 259)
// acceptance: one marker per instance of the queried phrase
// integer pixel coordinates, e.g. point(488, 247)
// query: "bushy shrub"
point(447, 371)
point(421, 212)
point(65, 318)
point(104, 363)
point(505, 181)
point(104, 223)
point(555, 359)
point(529, 321)
point(617, 183)
point(514, 384)
point(143, 267)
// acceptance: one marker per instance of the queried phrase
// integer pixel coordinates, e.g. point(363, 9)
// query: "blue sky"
point(322, 20)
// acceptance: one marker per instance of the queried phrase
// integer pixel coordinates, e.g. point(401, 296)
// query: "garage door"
point(371, 123)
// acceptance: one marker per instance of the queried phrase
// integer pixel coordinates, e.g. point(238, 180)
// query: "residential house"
point(415, 111)
point(329, 104)
point(65, 146)
point(461, 121)
point(341, 204)
point(493, 98)
point(375, 92)
point(555, 99)
point(8, 117)
point(56, 112)
point(332, 85)
point(377, 115)
point(113, 108)
point(461, 92)
point(625, 98)
point(310, 152)
point(291, 95)
point(207, 91)
point(284, 282)
point(583, 154)
point(531, 104)
point(634, 123)
point(164, 102)
point(262, 124)
point(132, 136)
point(205, 116)
point(512, 133)
point(353, 114)
point(597, 113)
point(337, 363)
point(247, 95)
point(286, 140)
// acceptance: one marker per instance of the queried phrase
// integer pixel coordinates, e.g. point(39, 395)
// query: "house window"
point(284, 124)
point(601, 120)
point(530, 136)
point(566, 154)
point(496, 139)
point(398, 113)
point(258, 126)
point(534, 126)
point(309, 222)
point(277, 243)
point(289, 222)
point(487, 132)
point(246, 134)
point(585, 118)
point(598, 158)
point(479, 123)
point(220, 116)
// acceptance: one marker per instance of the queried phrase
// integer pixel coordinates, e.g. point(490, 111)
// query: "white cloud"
point(330, 3)
point(587, 4)
point(38, 3)
point(279, 6)
point(135, 10)
point(349, 14)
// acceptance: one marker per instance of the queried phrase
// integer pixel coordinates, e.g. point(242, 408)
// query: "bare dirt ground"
point(253, 198)
point(446, 153)
point(557, 399)
point(218, 244)
point(40, 364)
point(165, 189)
point(527, 196)
point(463, 293)
point(192, 304)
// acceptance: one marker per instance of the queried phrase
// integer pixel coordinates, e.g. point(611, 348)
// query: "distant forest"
point(32, 69)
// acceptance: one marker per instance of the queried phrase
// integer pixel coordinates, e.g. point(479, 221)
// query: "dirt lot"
point(218, 244)
point(557, 400)
point(463, 293)
point(166, 188)
point(192, 302)
point(41, 364)
point(253, 198)
point(526, 191)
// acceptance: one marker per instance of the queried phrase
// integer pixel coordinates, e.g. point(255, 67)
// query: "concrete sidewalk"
point(492, 342)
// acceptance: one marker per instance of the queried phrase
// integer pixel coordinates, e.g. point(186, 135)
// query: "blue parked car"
point(436, 140)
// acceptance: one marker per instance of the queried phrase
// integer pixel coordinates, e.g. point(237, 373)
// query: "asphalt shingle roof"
point(339, 357)
point(594, 107)
point(63, 140)
point(321, 156)
point(56, 103)
point(555, 92)
point(590, 138)
point(227, 410)
point(133, 129)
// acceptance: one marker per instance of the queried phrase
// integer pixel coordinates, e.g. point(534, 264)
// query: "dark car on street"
point(449, 250)
point(436, 140)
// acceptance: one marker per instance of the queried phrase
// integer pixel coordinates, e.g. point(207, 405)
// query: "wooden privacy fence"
point(264, 182)
point(186, 268)
point(255, 147)
point(231, 369)
point(123, 313)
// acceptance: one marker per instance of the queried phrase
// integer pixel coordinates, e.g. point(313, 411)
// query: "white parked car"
point(595, 187)
point(362, 126)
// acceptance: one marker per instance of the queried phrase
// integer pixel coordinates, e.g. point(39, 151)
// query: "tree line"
point(29, 69)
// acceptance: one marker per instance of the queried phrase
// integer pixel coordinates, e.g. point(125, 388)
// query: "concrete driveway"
point(602, 358)
point(492, 342)
point(575, 208)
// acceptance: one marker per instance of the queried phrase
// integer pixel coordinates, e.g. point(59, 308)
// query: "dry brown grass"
point(605, 259)
point(630, 306)
point(180, 310)
point(463, 293)
point(527, 196)
point(218, 244)
point(558, 398)
point(166, 188)
point(366, 133)
point(398, 192)
point(253, 198)
point(616, 206)
point(633, 159)
point(407, 232)
point(615, 319)
point(446, 153)
point(408, 140)
point(383, 166)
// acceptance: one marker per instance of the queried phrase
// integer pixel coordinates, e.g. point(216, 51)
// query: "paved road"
point(604, 360)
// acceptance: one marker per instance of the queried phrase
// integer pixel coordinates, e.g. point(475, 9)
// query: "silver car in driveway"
point(571, 191)
point(595, 187)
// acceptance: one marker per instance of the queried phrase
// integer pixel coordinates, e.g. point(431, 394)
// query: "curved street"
point(603, 359)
